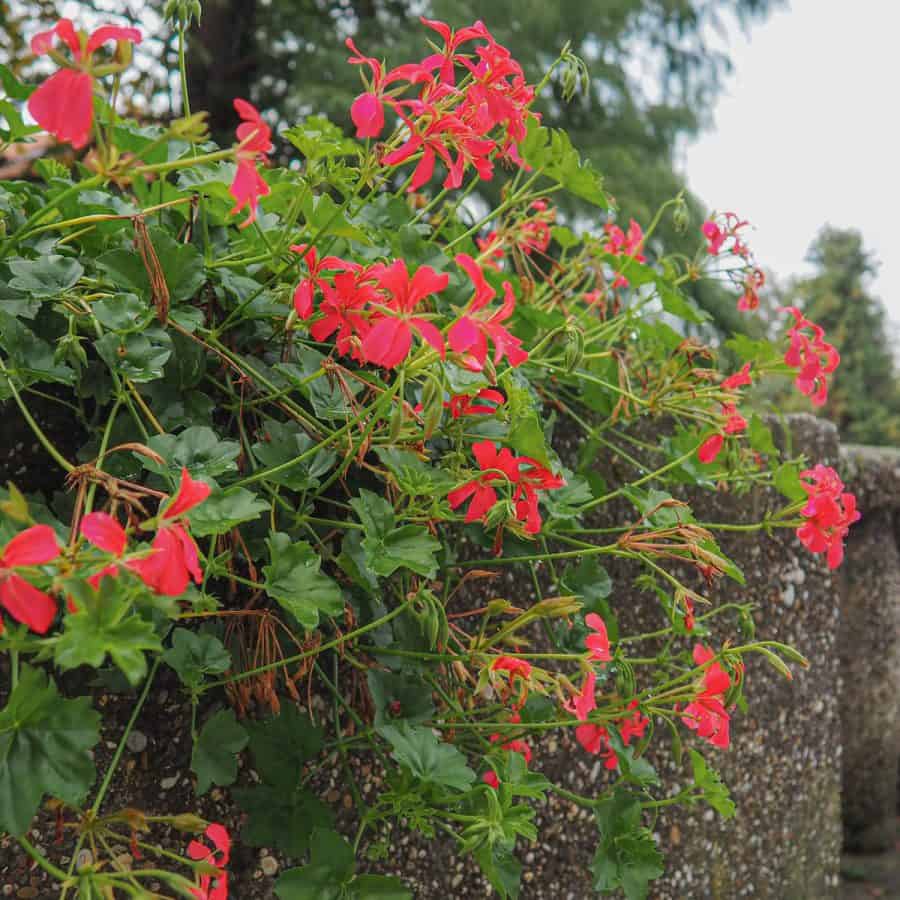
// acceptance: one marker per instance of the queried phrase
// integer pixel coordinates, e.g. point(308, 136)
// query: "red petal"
point(303, 298)
point(112, 33)
point(191, 493)
point(103, 531)
point(431, 334)
point(26, 604)
point(368, 116)
point(42, 42)
point(710, 448)
point(462, 335)
point(33, 547)
point(63, 106)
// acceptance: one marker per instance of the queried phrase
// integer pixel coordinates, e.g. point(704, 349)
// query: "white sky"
point(807, 131)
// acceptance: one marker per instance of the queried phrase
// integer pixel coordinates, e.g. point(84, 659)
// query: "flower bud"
point(189, 823)
point(681, 216)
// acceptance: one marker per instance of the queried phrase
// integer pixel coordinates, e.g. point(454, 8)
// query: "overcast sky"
point(807, 131)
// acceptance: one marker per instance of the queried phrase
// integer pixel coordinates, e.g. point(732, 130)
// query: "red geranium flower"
point(171, 564)
point(306, 289)
point(829, 513)
point(497, 465)
point(23, 601)
point(343, 306)
point(255, 140)
point(212, 887)
point(706, 714)
point(812, 355)
point(622, 244)
point(598, 642)
point(191, 493)
point(103, 531)
point(467, 405)
point(388, 342)
point(63, 104)
point(739, 379)
point(710, 448)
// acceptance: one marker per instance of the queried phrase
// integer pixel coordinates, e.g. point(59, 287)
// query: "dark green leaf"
point(198, 449)
point(281, 745)
point(44, 749)
point(221, 512)
point(426, 758)
point(214, 759)
point(409, 547)
point(46, 276)
point(294, 580)
point(194, 655)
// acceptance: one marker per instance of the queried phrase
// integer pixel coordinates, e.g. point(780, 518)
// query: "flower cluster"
point(469, 124)
point(526, 475)
point(594, 738)
point(723, 229)
point(526, 235)
point(64, 104)
point(812, 355)
point(212, 887)
point(829, 513)
point(706, 713)
point(628, 244)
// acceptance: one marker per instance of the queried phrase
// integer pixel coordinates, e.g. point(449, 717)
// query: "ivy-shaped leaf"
point(198, 449)
point(46, 276)
point(294, 580)
point(45, 741)
point(214, 758)
point(429, 760)
point(222, 511)
point(103, 626)
point(194, 655)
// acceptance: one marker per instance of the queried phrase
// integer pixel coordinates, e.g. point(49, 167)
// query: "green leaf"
point(140, 357)
point(526, 433)
point(12, 86)
point(409, 547)
point(401, 691)
point(426, 758)
point(677, 304)
point(626, 857)
point(285, 442)
point(379, 887)
point(122, 313)
point(787, 480)
point(214, 759)
point(46, 276)
point(198, 449)
point(44, 749)
point(760, 436)
point(104, 626)
point(375, 513)
point(282, 744)
point(193, 655)
point(222, 511)
point(318, 138)
point(294, 580)
point(501, 868)
point(281, 818)
point(715, 793)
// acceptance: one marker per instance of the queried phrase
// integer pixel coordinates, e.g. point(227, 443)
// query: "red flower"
point(812, 355)
point(598, 642)
point(469, 335)
point(715, 237)
point(255, 140)
point(490, 778)
point(306, 289)
point(749, 300)
point(171, 564)
point(466, 405)
point(622, 244)
point(25, 603)
point(497, 465)
point(829, 513)
point(739, 379)
point(212, 887)
point(516, 667)
point(491, 246)
point(63, 104)
point(103, 531)
point(735, 423)
point(388, 342)
point(191, 493)
point(517, 746)
point(710, 448)
point(706, 714)
point(717, 234)
point(343, 306)
point(533, 478)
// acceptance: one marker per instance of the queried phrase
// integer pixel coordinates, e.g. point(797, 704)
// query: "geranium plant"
point(314, 409)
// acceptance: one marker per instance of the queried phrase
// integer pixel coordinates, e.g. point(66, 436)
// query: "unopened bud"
point(189, 823)
point(681, 216)
point(574, 349)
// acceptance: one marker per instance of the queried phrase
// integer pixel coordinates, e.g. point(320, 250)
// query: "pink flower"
point(812, 355)
point(621, 244)
point(598, 642)
point(470, 334)
point(467, 405)
point(103, 531)
point(25, 603)
point(389, 341)
point(735, 423)
point(172, 562)
point(739, 379)
point(706, 714)
point(63, 104)
point(255, 140)
point(829, 513)
point(717, 234)
point(715, 237)
point(497, 465)
point(191, 493)
point(212, 887)
point(710, 448)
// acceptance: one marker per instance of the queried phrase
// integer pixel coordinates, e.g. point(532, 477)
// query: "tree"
point(864, 399)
